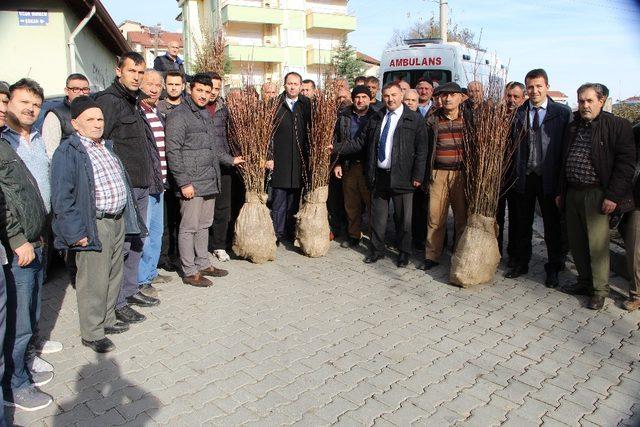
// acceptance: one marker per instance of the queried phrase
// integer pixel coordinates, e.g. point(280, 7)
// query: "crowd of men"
point(140, 176)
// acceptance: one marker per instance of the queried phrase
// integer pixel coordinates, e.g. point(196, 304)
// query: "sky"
point(575, 41)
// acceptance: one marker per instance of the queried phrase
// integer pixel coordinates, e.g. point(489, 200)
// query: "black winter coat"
point(290, 145)
point(553, 129)
point(343, 133)
point(164, 63)
point(124, 124)
point(193, 155)
point(220, 120)
point(636, 188)
point(613, 154)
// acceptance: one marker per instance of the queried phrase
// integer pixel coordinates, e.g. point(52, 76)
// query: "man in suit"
point(539, 128)
point(288, 152)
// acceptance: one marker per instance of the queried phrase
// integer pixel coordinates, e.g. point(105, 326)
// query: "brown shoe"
point(214, 272)
point(596, 303)
point(632, 304)
point(197, 280)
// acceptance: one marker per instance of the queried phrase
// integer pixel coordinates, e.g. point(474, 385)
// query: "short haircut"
point(215, 76)
point(307, 81)
point(174, 74)
point(76, 76)
point(29, 85)
point(134, 56)
point(513, 85)
point(605, 90)
point(374, 80)
point(389, 85)
point(597, 87)
point(202, 78)
point(292, 73)
point(537, 73)
point(360, 79)
point(410, 91)
point(426, 80)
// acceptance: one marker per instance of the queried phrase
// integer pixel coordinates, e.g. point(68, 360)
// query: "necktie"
point(383, 139)
point(536, 119)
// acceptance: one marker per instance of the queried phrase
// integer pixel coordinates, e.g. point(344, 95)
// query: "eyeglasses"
point(79, 89)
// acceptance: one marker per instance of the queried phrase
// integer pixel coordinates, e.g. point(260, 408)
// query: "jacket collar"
point(75, 142)
point(189, 101)
point(125, 93)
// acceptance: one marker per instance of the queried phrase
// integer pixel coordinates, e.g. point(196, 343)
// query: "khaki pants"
point(588, 230)
point(98, 280)
point(447, 189)
point(632, 246)
point(193, 237)
point(356, 194)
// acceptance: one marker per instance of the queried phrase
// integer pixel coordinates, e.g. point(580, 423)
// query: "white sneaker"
point(47, 347)
point(222, 255)
point(38, 364)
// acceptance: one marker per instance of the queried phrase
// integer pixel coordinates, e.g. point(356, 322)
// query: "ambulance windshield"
point(412, 76)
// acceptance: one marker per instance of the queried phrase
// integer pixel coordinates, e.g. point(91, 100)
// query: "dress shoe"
point(350, 242)
point(197, 280)
point(104, 345)
point(278, 242)
point(551, 281)
point(370, 259)
point(403, 259)
point(632, 304)
point(127, 314)
point(517, 271)
point(596, 303)
point(214, 272)
point(117, 328)
point(429, 264)
point(142, 300)
point(576, 290)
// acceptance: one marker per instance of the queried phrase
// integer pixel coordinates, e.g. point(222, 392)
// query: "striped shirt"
point(110, 188)
point(151, 114)
point(449, 147)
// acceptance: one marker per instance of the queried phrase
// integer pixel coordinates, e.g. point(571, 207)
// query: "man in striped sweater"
point(151, 86)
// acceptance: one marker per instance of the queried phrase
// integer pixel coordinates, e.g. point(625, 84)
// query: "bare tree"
point(431, 29)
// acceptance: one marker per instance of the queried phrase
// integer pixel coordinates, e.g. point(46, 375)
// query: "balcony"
point(319, 56)
point(252, 14)
point(254, 53)
point(330, 21)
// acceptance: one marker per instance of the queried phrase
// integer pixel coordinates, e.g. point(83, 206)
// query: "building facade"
point(268, 38)
point(149, 41)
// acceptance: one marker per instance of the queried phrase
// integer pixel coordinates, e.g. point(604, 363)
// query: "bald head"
point(475, 91)
point(411, 99)
point(268, 90)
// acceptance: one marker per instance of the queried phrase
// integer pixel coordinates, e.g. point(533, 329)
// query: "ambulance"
point(441, 62)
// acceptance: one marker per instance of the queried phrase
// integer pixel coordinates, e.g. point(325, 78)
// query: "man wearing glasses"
point(57, 121)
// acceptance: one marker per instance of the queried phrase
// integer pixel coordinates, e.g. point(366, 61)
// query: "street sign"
point(33, 18)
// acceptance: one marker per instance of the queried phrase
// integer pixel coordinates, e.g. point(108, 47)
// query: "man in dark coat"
point(288, 155)
point(632, 234)
point(597, 171)
point(396, 155)
point(170, 61)
point(124, 125)
point(539, 128)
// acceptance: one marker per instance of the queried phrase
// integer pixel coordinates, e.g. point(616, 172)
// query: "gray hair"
point(601, 91)
point(412, 91)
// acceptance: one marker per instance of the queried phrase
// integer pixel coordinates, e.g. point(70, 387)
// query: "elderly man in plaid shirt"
point(93, 210)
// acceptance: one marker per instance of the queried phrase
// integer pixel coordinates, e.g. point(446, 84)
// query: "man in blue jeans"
point(24, 202)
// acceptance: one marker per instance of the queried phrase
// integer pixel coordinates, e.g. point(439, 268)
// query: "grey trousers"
point(193, 236)
point(632, 246)
point(98, 280)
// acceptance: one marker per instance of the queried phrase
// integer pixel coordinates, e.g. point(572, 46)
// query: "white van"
point(441, 62)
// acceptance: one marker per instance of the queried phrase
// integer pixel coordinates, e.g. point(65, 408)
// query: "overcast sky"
point(574, 40)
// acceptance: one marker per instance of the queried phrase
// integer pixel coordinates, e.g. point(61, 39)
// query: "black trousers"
point(169, 251)
point(335, 206)
point(525, 204)
point(284, 206)
point(420, 212)
point(507, 198)
point(218, 231)
point(402, 209)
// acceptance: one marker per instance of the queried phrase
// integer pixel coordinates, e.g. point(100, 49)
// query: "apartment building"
point(272, 37)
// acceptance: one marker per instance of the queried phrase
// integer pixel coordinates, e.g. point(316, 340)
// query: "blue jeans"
point(23, 310)
point(148, 269)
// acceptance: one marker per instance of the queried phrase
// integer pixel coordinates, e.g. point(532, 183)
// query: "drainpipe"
point(72, 37)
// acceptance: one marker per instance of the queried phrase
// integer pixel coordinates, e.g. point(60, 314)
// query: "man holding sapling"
point(194, 160)
point(539, 128)
point(445, 132)
point(393, 142)
point(290, 146)
point(596, 181)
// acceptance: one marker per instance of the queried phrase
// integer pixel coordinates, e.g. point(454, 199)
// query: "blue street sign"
point(33, 18)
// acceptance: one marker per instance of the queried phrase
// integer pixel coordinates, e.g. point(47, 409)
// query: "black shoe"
point(596, 303)
point(142, 300)
point(517, 271)
point(429, 264)
point(551, 281)
point(403, 259)
point(278, 242)
point(350, 242)
point(104, 345)
point(370, 259)
point(512, 263)
point(576, 290)
point(117, 328)
point(127, 314)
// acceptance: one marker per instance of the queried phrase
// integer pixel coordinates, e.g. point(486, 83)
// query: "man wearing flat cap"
point(445, 130)
point(93, 210)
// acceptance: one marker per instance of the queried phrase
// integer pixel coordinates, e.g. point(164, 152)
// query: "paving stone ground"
point(332, 340)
